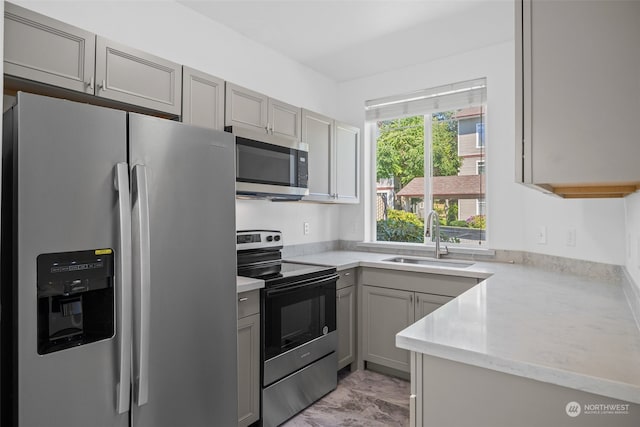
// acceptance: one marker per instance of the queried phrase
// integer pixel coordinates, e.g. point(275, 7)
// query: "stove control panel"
point(258, 239)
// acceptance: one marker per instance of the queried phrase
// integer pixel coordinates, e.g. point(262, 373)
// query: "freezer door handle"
point(142, 283)
point(123, 278)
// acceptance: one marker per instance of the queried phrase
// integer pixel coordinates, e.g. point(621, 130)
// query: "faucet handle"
point(444, 251)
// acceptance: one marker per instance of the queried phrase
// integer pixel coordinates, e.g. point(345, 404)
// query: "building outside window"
point(430, 155)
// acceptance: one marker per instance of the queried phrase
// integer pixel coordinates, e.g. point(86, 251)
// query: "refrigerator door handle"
point(123, 278)
point(142, 282)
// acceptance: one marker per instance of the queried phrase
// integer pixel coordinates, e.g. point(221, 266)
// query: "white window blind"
point(447, 97)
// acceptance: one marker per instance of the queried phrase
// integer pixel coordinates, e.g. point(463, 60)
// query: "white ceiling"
point(348, 39)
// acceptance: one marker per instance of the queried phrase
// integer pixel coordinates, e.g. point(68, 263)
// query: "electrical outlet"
point(306, 228)
point(541, 235)
point(571, 237)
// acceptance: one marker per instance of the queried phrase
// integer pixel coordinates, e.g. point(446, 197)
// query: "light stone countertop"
point(245, 284)
point(559, 328)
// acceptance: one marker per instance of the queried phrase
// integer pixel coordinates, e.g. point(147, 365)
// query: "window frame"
point(378, 110)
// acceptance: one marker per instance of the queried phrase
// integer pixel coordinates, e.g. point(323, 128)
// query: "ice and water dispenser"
point(75, 299)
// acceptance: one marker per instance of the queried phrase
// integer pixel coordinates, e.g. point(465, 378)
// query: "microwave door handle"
point(142, 282)
point(313, 283)
point(123, 288)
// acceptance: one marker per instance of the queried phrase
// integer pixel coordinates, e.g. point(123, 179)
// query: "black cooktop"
point(290, 272)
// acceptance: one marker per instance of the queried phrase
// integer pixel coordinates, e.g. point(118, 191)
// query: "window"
point(479, 135)
point(427, 158)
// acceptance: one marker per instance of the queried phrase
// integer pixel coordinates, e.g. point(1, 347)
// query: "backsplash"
point(548, 262)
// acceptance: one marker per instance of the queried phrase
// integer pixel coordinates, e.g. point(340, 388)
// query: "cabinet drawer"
point(346, 278)
point(248, 303)
point(438, 284)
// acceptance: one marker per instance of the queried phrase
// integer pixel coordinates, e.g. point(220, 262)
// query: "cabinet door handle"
point(90, 84)
point(243, 299)
point(411, 298)
point(102, 86)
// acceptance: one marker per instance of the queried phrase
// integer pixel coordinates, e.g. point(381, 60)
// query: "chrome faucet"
point(428, 233)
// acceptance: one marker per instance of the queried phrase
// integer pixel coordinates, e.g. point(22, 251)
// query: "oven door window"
point(296, 316)
point(263, 163)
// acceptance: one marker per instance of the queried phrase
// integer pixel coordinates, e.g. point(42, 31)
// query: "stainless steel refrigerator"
point(118, 269)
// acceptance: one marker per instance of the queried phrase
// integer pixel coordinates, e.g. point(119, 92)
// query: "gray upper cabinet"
point(577, 74)
point(202, 99)
point(347, 163)
point(283, 119)
point(129, 75)
point(249, 109)
point(318, 133)
point(245, 108)
point(42, 49)
point(334, 159)
point(48, 51)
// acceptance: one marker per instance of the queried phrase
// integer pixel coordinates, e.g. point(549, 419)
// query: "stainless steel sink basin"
point(452, 263)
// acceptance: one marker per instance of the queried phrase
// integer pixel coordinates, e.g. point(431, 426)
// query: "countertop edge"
point(563, 378)
point(246, 284)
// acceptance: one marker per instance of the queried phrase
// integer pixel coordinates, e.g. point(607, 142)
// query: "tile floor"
point(362, 398)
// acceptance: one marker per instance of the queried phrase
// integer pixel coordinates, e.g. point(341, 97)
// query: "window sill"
point(424, 248)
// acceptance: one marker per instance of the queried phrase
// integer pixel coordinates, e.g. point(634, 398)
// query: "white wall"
point(513, 211)
point(172, 31)
point(632, 238)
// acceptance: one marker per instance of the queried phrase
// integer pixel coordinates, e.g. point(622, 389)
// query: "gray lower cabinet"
point(385, 313)
point(129, 75)
point(393, 300)
point(202, 99)
point(250, 109)
point(346, 317)
point(248, 357)
point(426, 303)
point(44, 50)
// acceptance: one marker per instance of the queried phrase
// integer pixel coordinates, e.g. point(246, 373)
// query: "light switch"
point(571, 237)
point(541, 235)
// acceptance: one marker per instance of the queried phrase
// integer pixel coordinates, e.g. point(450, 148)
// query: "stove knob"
point(276, 238)
point(269, 238)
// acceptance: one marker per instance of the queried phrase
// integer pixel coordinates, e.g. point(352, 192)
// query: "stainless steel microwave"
point(269, 166)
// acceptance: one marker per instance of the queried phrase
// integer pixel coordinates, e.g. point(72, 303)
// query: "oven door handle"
point(311, 283)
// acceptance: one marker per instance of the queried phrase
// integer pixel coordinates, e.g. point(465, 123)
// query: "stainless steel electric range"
point(298, 328)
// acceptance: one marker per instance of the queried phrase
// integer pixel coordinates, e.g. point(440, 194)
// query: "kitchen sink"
point(452, 263)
